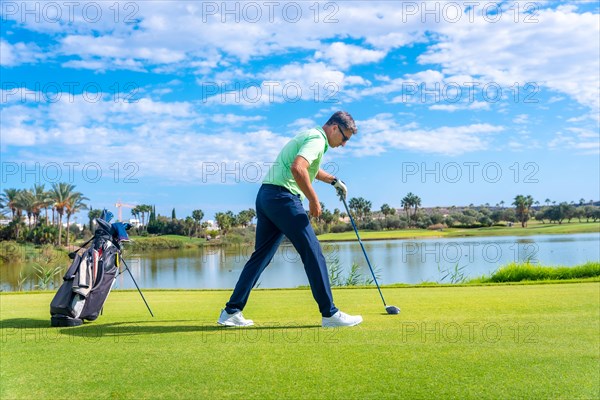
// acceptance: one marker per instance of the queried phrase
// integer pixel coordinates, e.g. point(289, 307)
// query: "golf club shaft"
point(363, 249)
point(136, 285)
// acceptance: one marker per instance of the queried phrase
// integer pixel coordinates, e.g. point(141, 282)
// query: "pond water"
point(406, 261)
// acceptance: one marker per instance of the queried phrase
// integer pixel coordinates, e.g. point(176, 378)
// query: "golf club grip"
point(363, 249)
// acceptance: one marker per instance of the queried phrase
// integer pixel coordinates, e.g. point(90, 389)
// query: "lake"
point(406, 261)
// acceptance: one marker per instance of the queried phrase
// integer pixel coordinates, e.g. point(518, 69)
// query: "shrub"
point(436, 227)
point(373, 225)
point(515, 272)
point(43, 234)
point(340, 228)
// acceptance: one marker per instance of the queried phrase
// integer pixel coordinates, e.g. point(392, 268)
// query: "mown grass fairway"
point(518, 341)
point(533, 228)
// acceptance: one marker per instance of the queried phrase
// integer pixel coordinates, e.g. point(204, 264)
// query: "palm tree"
point(547, 201)
point(416, 202)
point(141, 210)
point(409, 201)
point(360, 206)
point(60, 193)
point(197, 216)
point(134, 213)
point(523, 205)
point(406, 204)
point(41, 202)
point(74, 203)
point(26, 202)
point(9, 198)
point(92, 215)
point(387, 210)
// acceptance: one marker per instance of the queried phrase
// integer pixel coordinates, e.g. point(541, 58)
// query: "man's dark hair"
point(343, 119)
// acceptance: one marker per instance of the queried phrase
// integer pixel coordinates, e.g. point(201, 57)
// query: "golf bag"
point(90, 278)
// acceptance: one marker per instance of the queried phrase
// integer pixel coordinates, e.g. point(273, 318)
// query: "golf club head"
point(392, 310)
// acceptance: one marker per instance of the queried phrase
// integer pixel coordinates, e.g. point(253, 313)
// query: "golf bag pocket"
point(97, 296)
point(65, 298)
point(105, 278)
point(83, 279)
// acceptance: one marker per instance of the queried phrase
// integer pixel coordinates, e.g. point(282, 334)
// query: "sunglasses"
point(345, 138)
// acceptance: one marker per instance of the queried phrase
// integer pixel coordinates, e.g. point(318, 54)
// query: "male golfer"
point(279, 212)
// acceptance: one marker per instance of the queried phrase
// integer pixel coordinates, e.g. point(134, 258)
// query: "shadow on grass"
point(134, 328)
point(24, 323)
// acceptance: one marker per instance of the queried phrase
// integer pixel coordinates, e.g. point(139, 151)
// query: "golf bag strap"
point(85, 244)
point(73, 268)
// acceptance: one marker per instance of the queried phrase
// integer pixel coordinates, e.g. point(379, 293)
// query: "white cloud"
point(289, 83)
point(446, 140)
point(19, 53)
point(170, 141)
point(560, 51)
point(96, 65)
point(475, 105)
point(233, 119)
point(301, 124)
point(345, 55)
point(581, 140)
point(391, 40)
point(521, 119)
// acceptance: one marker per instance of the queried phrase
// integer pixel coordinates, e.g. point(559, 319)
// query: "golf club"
point(388, 309)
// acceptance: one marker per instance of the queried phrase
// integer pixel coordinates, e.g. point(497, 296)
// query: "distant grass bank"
point(166, 242)
point(534, 228)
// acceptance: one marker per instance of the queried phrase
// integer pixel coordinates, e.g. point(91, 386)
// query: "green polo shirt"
point(311, 145)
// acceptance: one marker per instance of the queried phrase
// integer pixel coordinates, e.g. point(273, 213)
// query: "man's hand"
point(340, 187)
point(314, 209)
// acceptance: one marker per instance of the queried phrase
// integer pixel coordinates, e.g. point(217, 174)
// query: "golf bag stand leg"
point(137, 287)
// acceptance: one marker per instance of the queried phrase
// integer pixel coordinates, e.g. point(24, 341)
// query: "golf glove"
point(341, 188)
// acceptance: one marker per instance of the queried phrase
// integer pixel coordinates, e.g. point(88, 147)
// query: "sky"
point(185, 105)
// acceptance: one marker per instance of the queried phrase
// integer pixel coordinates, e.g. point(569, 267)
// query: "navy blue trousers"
point(279, 213)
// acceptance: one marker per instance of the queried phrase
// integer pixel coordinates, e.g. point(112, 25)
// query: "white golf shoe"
point(341, 319)
point(236, 319)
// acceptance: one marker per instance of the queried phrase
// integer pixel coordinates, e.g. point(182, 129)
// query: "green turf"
point(500, 342)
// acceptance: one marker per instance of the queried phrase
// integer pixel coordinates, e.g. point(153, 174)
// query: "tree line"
point(61, 199)
point(38, 215)
point(412, 215)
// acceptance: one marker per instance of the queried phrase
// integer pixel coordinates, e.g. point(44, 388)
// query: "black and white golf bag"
point(89, 279)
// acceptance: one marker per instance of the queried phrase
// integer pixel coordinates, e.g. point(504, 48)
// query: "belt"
point(279, 189)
